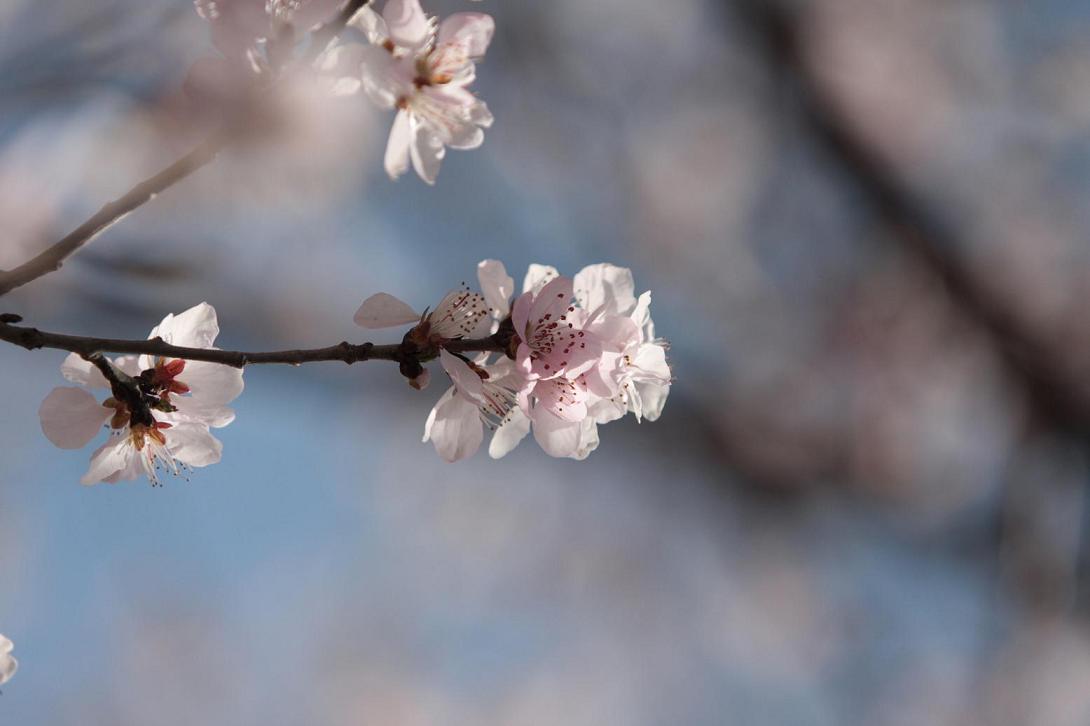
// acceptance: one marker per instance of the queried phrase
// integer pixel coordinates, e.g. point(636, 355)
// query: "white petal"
point(396, 160)
point(472, 31)
point(467, 382)
point(607, 286)
point(571, 439)
point(650, 362)
point(371, 24)
point(508, 436)
point(341, 67)
point(653, 399)
point(408, 25)
point(211, 383)
point(455, 427)
point(384, 78)
point(109, 459)
point(133, 364)
point(427, 152)
point(197, 327)
point(192, 444)
point(431, 414)
point(71, 417)
point(308, 13)
point(605, 410)
point(193, 409)
point(83, 372)
point(496, 285)
point(8, 664)
point(383, 310)
point(537, 276)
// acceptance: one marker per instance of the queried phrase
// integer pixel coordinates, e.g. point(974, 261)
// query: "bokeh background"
point(865, 226)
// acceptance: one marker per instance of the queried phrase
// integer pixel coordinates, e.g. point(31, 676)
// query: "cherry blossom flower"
point(481, 395)
point(8, 664)
point(423, 69)
point(462, 313)
point(170, 431)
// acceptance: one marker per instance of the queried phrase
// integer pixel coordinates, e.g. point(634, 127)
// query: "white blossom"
point(8, 664)
point(184, 399)
point(423, 69)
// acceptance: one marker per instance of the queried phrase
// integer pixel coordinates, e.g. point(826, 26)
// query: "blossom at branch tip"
point(168, 427)
point(8, 664)
point(422, 68)
point(462, 313)
point(571, 365)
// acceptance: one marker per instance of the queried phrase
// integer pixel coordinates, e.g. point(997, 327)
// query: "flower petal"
point(371, 24)
point(467, 382)
point(472, 31)
point(408, 25)
point(508, 436)
point(197, 327)
point(570, 439)
point(606, 286)
point(496, 286)
point(71, 417)
point(383, 310)
point(454, 427)
point(8, 664)
point(211, 383)
point(193, 444)
point(83, 372)
point(427, 152)
point(396, 160)
point(537, 276)
point(109, 459)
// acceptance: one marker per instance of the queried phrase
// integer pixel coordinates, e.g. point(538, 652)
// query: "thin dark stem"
point(54, 256)
point(32, 339)
point(124, 389)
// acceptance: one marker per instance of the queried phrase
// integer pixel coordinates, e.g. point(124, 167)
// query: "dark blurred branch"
point(87, 347)
point(54, 257)
point(1054, 397)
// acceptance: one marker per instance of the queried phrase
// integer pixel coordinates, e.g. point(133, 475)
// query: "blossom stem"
point(53, 257)
point(32, 339)
point(124, 389)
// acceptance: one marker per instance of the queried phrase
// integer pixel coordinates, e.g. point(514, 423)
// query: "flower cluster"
point(574, 353)
point(408, 62)
point(161, 409)
point(8, 664)
point(422, 68)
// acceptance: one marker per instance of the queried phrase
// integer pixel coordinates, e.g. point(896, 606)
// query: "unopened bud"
point(421, 381)
point(418, 375)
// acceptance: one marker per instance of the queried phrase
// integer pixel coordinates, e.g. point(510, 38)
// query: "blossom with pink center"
point(423, 69)
point(552, 341)
point(8, 664)
point(183, 399)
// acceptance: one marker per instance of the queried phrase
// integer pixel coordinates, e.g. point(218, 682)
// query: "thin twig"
point(32, 339)
point(54, 256)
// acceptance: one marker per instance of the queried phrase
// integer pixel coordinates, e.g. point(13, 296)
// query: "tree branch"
point(87, 347)
point(54, 257)
point(1053, 394)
